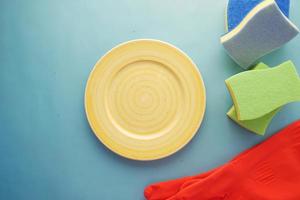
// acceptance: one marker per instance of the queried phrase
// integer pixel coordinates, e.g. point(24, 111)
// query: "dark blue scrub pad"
point(238, 9)
point(268, 29)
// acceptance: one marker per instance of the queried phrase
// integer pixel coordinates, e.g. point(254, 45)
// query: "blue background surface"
point(47, 50)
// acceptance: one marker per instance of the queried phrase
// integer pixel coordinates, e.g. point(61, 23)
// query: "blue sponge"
point(238, 9)
point(262, 31)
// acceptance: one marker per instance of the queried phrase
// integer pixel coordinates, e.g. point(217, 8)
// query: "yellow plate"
point(145, 99)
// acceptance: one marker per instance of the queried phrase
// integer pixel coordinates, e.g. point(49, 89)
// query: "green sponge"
point(258, 92)
point(259, 125)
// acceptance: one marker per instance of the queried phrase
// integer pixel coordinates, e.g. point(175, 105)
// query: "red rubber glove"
point(270, 171)
point(257, 165)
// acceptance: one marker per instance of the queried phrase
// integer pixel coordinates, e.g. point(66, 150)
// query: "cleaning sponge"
point(264, 29)
point(258, 92)
point(237, 9)
point(259, 125)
